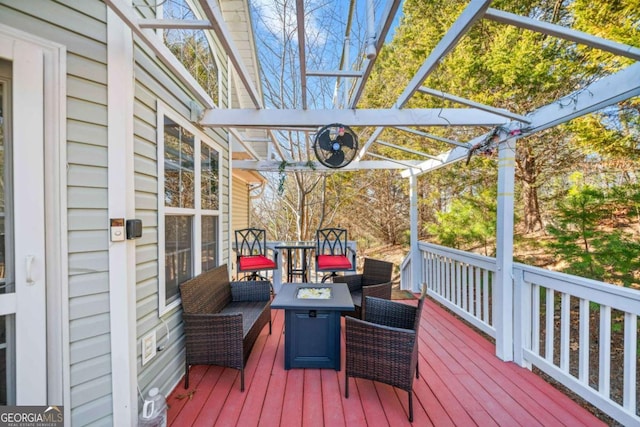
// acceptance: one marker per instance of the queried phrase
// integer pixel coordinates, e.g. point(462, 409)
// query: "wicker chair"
point(374, 281)
point(384, 346)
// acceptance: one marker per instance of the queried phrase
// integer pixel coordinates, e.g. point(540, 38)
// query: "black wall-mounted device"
point(134, 228)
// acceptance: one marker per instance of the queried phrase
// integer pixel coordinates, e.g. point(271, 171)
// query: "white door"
point(23, 339)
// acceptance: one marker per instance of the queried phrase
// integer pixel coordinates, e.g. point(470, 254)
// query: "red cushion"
point(256, 262)
point(333, 262)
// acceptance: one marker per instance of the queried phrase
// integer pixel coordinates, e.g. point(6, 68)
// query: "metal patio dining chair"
point(251, 254)
point(331, 252)
point(384, 346)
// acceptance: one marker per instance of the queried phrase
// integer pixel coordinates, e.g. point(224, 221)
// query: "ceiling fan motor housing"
point(335, 145)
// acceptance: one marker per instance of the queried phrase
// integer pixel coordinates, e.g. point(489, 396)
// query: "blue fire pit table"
point(312, 323)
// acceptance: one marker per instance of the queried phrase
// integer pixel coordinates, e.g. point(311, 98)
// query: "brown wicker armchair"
point(384, 346)
point(374, 281)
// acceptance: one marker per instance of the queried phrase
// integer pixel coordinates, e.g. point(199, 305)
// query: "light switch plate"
point(148, 347)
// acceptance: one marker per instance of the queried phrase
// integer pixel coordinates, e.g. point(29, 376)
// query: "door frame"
point(50, 70)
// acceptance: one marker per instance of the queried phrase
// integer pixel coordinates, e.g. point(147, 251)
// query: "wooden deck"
point(461, 383)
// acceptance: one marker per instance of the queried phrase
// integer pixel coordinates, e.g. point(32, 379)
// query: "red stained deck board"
point(545, 404)
point(395, 403)
point(312, 411)
point(496, 400)
point(271, 411)
point(231, 411)
point(260, 381)
point(373, 410)
point(176, 403)
point(461, 383)
point(292, 408)
point(353, 410)
point(332, 398)
point(436, 393)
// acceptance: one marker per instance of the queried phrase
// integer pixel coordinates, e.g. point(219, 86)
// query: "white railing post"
point(503, 288)
point(416, 262)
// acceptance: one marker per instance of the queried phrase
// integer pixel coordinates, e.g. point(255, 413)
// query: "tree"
point(587, 251)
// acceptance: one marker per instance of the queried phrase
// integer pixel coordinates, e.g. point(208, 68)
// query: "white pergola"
point(242, 122)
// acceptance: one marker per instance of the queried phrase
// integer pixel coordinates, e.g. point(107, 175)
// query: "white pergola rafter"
point(472, 13)
point(564, 33)
point(473, 104)
point(301, 52)
point(384, 26)
point(600, 94)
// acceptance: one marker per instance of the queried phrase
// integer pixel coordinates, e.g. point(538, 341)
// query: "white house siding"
point(80, 26)
point(153, 85)
point(240, 217)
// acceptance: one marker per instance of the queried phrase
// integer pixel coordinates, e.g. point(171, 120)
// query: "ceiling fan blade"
point(346, 140)
point(324, 139)
point(336, 158)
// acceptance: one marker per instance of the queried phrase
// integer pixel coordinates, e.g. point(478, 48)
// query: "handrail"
point(555, 340)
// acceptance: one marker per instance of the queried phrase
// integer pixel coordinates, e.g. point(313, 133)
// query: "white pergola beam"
point(249, 118)
point(602, 93)
point(214, 15)
point(564, 33)
point(473, 104)
point(176, 24)
point(275, 166)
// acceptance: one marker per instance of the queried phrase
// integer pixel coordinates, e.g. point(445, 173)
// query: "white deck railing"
point(547, 305)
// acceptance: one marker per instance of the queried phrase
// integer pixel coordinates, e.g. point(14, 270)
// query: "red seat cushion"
point(255, 263)
point(333, 262)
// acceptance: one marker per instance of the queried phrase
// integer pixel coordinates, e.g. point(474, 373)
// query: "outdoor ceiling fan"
point(335, 145)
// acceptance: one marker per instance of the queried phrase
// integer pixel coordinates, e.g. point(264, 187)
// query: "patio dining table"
point(297, 253)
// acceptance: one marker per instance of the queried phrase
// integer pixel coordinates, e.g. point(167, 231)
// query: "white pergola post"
point(416, 264)
point(503, 286)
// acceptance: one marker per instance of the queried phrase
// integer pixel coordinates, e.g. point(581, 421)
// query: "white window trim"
point(197, 212)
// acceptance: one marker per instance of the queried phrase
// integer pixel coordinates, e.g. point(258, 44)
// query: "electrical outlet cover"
point(148, 347)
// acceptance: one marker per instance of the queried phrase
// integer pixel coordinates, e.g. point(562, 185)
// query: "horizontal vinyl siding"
point(240, 212)
point(81, 28)
point(152, 84)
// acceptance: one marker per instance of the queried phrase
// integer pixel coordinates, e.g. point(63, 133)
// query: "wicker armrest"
point(353, 281)
point(253, 290)
point(372, 350)
point(382, 290)
point(390, 313)
point(214, 337)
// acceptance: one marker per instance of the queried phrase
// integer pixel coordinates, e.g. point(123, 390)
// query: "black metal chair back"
point(331, 241)
point(251, 253)
point(251, 241)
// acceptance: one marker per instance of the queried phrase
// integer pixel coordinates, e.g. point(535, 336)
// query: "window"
point(189, 208)
point(192, 47)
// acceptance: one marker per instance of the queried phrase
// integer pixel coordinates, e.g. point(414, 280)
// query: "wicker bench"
point(222, 319)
